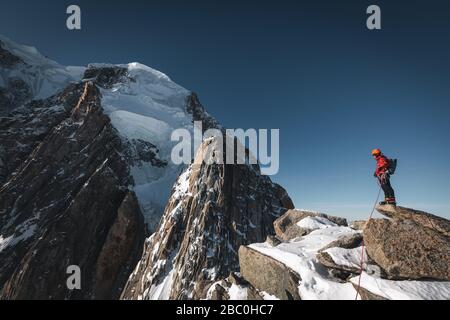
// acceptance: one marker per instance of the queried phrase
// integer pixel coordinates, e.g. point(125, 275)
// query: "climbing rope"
point(361, 264)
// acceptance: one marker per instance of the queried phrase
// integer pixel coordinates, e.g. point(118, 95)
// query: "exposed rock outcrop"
point(349, 261)
point(213, 210)
point(347, 242)
point(233, 288)
point(424, 219)
point(68, 202)
point(106, 76)
point(194, 107)
point(326, 263)
point(367, 295)
point(358, 224)
point(7, 58)
point(408, 250)
point(84, 168)
point(286, 226)
point(268, 274)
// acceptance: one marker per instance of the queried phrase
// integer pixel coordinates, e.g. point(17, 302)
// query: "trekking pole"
point(363, 246)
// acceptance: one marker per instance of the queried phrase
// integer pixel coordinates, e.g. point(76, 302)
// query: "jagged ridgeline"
point(84, 170)
point(213, 210)
point(85, 175)
point(86, 179)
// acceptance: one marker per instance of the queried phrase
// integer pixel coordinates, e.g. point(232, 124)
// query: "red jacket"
point(382, 165)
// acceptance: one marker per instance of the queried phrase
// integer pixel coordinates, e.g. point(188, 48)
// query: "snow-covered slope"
point(300, 256)
point(43, 76)
point(85, 153)
point(145, 106)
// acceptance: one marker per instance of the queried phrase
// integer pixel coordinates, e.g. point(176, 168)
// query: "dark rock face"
point(8, 59)
point(140, 150)
point(27, 126)
point(66, 199)
point(16, 93)
point(268, 274)
point(194, 107)
point(405, 249)
point(106, 77)
point(213, 210)
point(286, 226)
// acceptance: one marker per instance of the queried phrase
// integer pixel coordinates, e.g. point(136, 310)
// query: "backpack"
point(392, 166)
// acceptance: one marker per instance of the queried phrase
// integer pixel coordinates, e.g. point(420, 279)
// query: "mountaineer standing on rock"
point(385, 167)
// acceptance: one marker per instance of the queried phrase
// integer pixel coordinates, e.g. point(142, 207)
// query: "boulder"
point(367, 295)
point(286, 227)
point(273, 240)
point(424, 219)
point(358, 224)
point(268, 274)
point(347, 242)
point(232, 288)
point(349, 261)
point(327, 260)
point(406, 249)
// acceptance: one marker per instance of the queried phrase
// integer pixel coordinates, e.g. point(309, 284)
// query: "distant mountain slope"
point(84, 165)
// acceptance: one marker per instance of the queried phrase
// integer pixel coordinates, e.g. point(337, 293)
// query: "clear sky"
point(334, 89)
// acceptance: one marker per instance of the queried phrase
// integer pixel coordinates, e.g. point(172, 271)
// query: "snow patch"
point(268, 296)
point(22, 232)
point(45, 77)
point(300, 256)
point(346, 257)
point(314, 223)
point(149, 107)
point(405, 290)
point(237, 292)
point(162, 290)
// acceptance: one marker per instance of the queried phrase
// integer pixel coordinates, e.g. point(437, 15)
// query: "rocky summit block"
point(406, 249)
point(286, 227)
point(424, 219)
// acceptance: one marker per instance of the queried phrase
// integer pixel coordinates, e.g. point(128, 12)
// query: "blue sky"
point(334, 89)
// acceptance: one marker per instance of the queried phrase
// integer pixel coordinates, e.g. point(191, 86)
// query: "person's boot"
point(391, 201)
point(382, 203)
